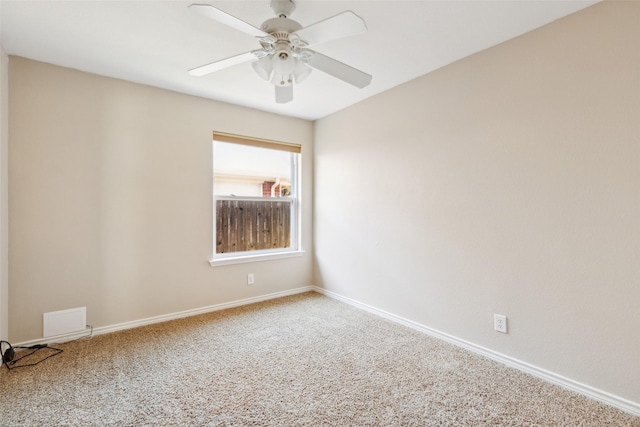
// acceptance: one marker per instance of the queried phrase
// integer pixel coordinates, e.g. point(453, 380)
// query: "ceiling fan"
point(284, 56)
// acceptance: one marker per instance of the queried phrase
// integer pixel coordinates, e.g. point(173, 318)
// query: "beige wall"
point(110, 199)
point(509, 183)
point(505, 183)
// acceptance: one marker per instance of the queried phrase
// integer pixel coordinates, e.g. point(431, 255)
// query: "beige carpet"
point(305, 360)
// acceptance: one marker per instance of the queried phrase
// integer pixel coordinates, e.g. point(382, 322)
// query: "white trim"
point(56, 339)
point(294, 200)
point(553, 378)
point(4, 195)
point(166, 317)
point(567, 383)
point(254, 258)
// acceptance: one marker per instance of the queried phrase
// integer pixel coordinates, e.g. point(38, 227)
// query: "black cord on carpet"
point(9, 354)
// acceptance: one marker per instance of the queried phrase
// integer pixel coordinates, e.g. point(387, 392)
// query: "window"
point(256, 198)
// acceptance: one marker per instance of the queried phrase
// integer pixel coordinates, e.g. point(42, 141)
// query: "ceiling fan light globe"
point(263, 67)
point(283, 64)
point(301, 72)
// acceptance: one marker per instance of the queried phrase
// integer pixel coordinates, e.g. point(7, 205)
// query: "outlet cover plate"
point(500, 323)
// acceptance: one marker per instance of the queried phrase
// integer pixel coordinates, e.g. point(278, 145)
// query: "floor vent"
point(64, 321)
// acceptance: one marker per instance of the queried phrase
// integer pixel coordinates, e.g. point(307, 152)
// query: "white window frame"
point(295, 235)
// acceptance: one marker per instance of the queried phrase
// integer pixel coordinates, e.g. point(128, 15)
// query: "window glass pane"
point(256, 207)
point(241, 170)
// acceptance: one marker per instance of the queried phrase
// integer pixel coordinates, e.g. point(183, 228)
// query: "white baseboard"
point(586, 390)
point(567, 383)
point(165, 317)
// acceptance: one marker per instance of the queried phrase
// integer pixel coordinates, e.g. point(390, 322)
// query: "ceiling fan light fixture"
point(301, 71)
point(263, 67)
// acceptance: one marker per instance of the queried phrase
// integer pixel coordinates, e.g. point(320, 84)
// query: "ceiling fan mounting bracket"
point(283, 8)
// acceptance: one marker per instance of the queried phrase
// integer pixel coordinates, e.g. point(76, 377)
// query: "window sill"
point(254, 258)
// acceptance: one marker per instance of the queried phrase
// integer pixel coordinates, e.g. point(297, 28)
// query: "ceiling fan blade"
point(223, 63)
point(342, 25)
point(338, 69)
point(284, 94)
point(230, 20)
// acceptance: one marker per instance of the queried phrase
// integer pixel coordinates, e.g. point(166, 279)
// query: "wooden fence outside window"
point(247, 225)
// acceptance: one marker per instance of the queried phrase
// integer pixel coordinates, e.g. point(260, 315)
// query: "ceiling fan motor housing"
point(283, 60)
point(280, 27)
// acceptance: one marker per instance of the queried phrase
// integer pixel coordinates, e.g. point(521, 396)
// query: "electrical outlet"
point(250, 279)
point(500, 323)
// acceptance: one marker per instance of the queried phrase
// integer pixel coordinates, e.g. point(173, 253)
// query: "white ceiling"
point(156, 42)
